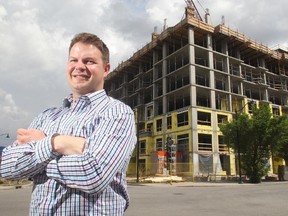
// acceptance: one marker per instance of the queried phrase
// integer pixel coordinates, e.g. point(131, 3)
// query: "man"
point(77, 154)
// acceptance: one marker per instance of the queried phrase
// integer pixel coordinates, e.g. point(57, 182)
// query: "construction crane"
point(191, 4)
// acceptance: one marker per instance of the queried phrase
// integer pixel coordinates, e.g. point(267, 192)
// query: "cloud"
point(8, 107)
point(172, 11)
point(35, 35)
point(262, 21)
point(10, 113)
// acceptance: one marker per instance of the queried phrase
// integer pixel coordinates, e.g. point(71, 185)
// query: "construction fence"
point(184, 170)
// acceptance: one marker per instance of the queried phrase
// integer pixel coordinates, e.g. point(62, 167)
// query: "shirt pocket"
point(49, 127)
point(82, 127)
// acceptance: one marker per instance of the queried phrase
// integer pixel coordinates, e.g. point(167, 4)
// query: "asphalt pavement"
point(181, 199)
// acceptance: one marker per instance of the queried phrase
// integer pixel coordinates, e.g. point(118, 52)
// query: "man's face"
point(86, 71)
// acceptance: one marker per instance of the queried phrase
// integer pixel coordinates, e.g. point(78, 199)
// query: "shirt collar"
point(90, 97)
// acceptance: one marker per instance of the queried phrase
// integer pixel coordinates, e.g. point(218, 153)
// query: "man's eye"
point(90, 62)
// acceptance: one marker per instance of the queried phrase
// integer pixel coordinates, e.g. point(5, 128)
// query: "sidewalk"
point(172, 180)
point(16, 186)
point(176, 180)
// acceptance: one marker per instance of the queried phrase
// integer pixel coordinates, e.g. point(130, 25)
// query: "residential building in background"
point(187, 81)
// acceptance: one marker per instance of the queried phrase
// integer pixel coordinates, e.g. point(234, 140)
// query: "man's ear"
point(106, 70)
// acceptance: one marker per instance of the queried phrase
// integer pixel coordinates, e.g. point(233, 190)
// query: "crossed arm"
point(34, 150)
point(86, 164)
point(62, 145)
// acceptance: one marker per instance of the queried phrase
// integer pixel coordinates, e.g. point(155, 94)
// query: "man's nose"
point(80, 66)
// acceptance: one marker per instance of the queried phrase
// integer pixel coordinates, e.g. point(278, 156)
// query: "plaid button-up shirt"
point(93, 183)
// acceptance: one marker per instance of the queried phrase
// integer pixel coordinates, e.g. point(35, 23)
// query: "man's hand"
point(27, 135)
point(68, 145)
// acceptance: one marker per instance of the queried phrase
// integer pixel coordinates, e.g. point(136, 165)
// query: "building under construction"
point(187, 81)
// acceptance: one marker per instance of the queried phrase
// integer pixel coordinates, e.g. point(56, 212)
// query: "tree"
point(259, 136)
point(257, 152)
point(279, 132)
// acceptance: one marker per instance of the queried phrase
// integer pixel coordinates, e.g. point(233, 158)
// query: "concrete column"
point(164, 72)
point(195, 157)
point(191, 42)
point(155, 104)
point(211, 75)
point(215, 146)
point(225, 51)
point(265, 90)
point(192, 70)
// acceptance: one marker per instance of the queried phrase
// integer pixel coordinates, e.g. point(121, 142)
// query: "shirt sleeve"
point(22, 161)
point(107, 150)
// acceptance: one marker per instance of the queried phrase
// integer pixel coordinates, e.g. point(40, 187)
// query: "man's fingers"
point(32, 134)
point(21, 131)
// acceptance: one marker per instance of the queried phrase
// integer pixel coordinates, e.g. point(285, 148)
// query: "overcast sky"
point(35, 35)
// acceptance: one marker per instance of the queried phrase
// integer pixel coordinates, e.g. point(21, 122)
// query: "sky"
point(35, 35)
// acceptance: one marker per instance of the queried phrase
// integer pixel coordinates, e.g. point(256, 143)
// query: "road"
point(181, 199)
